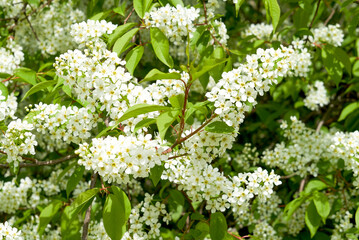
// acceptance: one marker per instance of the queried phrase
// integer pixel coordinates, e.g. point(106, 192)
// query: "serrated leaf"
point(206, 66)
point(26, 74)
point(177, 101)
point(156, 74)
point(141, 6)
point(115, 216)
point(82, 202)
point(160, 46)
point(74, 180)
point(4, 91)
point(291, 207)
point(218, 226)
point(322, 205)
point(312, 219)
point(118, 32)
point(144, 123)
point(121, 43)
point(47, 214)
point(348, 110)
point(38, 87)
point(133, 57)
point(274, 11)
point(156, 173)
point(314, 185)
point(219, 127)
point(164, 121)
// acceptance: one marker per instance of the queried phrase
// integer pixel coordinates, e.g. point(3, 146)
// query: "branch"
point(85, 228)
point(36, 162)
point(315, 15)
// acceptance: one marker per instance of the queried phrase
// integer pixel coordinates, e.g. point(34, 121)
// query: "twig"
point(330, 16)
point(32, 29)
point(315, 15)
point(85, 227)
point(129, 15)
point(42, 163)
point(302, 184)
point(288, 176)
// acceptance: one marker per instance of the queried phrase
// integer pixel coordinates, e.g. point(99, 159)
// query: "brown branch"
point(315, 15)
point(129, 15)
point(85, 227)
point(288, 176)
point(177, 142)
point(32, 29)
point(37, 163)
point(330, 17)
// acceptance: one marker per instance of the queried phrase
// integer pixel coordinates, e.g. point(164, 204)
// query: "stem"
point(315, 15)
point(88, 211)
point(129, 15)
point(42, 163)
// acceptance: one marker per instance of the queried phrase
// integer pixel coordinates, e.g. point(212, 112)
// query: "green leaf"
point(156, 74)
point(144, 123)
point(161, 46)
point(38, 87)
point(312, 219)
point(141, 6)
point(121, 195)
point(63, 172)
point(322, 205)
point(197, 216)
point(206, 66)
point(26, 74)
point(74, 180)
point(118, 32)
point(176, 203)
point(343, 57)
point(177, 101)
point(182, 221)
point(217, 226)
point(173, 3)
point(115, 215)
point(203, 228)
point(100, 15)
point(156, 173)
point(70, 227)
point(219, 127)
point(165, 120)
point(238, 5)
point(134, 111)
point(47, 214)
point(291, 207)
point(332, 64)
point(4, 75)
point(133, 57)
point(348, 110)
point(82, 202)
point(4, 91)
point(314, 185)
point(121, 43)
point(274, 10)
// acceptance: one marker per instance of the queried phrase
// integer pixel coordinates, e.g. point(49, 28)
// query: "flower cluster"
point(91, 30)
point(51, 28)
point(9, 233)
point(342, 225)
point(10, 56)
point(116, 159)
point(59, 125)
point(242, 85)
point(18, 140)
point(12, 8)
point(146, 214)
point(176, 22)
point(263, 230)
point(97, 76)
point(301, 156)
point(7, 106)
point(316, 96)
point(219, 31)
point(331, 34)
point(12, 196)
point(29, 230)
point(261, 31)
point(249, 157)
point(346, 147)
point(97, 231)
point(203, 182)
